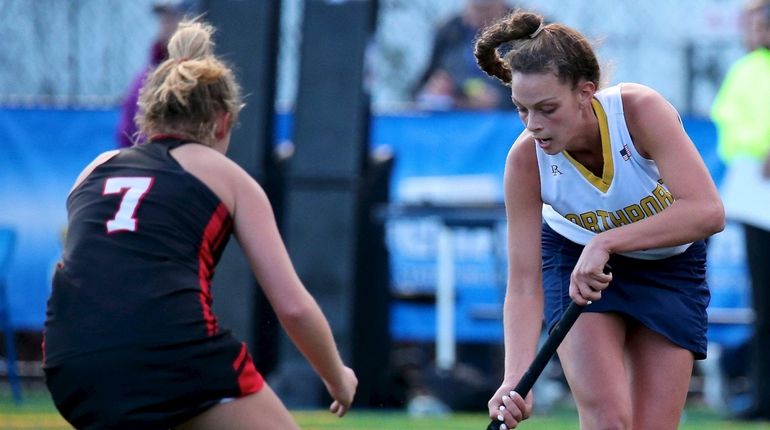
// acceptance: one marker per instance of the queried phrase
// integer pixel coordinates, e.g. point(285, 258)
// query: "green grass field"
point(37, 412)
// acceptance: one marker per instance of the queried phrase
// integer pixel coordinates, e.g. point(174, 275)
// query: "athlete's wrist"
point(603, 242)
point(513, 375)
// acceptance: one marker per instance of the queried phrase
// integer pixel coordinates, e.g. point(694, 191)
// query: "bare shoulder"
point(96, 162)
point(634, 95)
point(522, 178)
point(650, 118)
point(192, 153)
point(640, 101)
point(221, 174)
point(106, 155)
point(204, 160)
point(100, 159)
point(522, 157)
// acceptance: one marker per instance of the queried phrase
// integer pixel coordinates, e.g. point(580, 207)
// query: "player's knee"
point(607, 415)
point(614, 423)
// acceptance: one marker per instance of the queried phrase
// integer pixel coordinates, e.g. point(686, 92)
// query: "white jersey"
point(579, 205)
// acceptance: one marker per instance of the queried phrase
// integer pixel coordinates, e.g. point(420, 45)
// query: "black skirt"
point(151, 386)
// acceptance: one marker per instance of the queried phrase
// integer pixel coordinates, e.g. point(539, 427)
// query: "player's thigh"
point(660, 374)
point(592, 356)
point(259, 411)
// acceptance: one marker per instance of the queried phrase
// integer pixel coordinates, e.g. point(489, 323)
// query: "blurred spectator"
point(741, 113)
point(452, 80)
point(168, 14)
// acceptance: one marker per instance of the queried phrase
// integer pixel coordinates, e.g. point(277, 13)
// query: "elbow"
point(713, 219)
point(291, 315)
point(296, 314)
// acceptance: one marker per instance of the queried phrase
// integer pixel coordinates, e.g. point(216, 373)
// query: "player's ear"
point(223, 125)
point(586, 90)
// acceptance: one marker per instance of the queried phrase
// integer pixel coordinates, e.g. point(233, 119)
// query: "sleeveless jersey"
point(579, 205)
point(143, 238)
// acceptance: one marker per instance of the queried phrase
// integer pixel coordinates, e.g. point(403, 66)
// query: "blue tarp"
point(41, 153)
point(43, 150)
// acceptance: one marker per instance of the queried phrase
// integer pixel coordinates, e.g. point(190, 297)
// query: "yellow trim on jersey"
point(608, 171)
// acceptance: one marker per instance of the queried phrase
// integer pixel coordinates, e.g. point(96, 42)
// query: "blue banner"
point(43, 151)
point(452, 157)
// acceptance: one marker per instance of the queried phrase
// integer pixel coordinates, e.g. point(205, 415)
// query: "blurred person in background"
point(452, 80)
point(168, 13)
point(131, 340)
point(741, 112)
point(599, 175)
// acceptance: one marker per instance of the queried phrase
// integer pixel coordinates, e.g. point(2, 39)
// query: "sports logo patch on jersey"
point(625, 153)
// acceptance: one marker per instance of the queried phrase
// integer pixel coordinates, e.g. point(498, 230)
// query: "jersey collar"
point(608, 171)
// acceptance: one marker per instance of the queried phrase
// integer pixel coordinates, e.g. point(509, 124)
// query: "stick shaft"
point(544, 354)
point(546, 351)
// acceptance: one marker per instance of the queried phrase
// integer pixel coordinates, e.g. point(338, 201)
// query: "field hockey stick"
point(546, 351)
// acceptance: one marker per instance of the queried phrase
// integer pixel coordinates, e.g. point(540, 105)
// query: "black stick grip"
point(546, 351)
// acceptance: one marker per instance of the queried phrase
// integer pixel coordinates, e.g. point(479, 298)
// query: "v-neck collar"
point(608, 170)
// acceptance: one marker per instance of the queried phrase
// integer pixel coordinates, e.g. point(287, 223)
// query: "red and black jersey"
point(143, 238)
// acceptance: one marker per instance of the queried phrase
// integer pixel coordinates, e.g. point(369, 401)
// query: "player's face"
point(549, 108)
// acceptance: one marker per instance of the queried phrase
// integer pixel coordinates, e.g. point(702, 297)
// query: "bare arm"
point(523, 307)
point(257, 233)
point(524, 295)
point(100, 159)
point(296, 309)
point(697, 210)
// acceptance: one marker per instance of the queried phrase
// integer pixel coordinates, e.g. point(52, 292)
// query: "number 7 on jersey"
point(133, 189)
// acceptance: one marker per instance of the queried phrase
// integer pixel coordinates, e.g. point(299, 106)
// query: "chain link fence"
point(72, 52)
point(680, 48)
point(85, 52)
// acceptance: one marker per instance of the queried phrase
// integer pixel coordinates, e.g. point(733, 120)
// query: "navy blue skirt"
point(669, 296)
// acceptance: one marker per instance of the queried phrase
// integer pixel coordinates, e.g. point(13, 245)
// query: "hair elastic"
point(536, 32)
